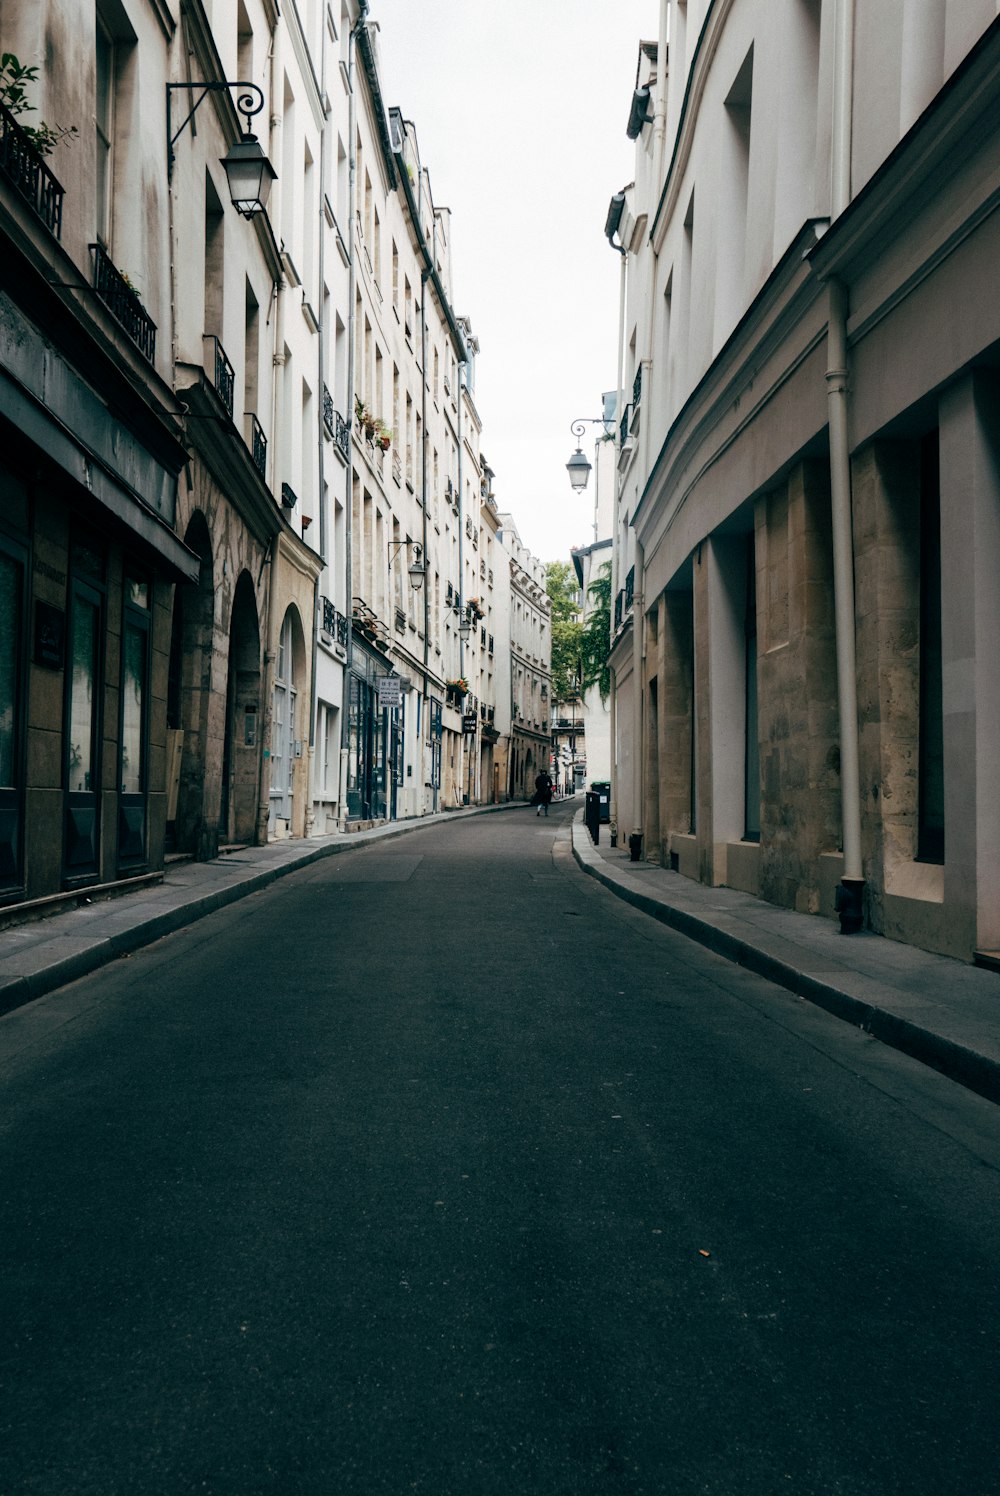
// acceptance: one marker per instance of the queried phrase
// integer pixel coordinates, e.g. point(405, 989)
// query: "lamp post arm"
point(248, 104)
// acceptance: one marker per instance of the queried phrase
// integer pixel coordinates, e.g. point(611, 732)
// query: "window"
point(930, 780)
point(12, 605)
point(82, 761)
point(104, 106)
point(134, 735)
point(751, 758)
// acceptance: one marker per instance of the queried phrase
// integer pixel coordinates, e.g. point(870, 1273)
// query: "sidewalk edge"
point(973, 1071)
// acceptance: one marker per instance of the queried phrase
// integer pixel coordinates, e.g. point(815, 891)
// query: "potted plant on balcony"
point(14, 78)
point(383, 435)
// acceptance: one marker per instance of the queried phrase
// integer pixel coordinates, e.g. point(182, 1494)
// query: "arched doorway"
point(241, 744)
point(285, 817)
point(189, 693)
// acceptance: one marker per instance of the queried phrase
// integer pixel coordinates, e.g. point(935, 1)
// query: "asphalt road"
point(436, 1169)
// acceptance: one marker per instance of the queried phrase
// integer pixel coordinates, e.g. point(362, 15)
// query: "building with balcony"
point(808, 524)
point(91, 485)
point(530, 648)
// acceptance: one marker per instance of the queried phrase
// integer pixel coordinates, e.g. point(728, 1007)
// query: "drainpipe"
point(352, 284)
point(615, 557)
point(461, 538)
point(278, 364)
point(423, 508)
point(320, 455)
point(851, 890)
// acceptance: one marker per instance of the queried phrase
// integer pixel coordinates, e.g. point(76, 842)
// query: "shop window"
point(12, 631)
point(751, 758)
point(930, 791)
point(83, 710)
point(134, 734)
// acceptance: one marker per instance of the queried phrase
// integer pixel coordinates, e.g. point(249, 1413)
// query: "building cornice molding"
point(963, 116)
point(697, 81)
point(778, 308)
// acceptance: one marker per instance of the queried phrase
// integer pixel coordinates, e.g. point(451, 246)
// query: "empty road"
point(434, 1168)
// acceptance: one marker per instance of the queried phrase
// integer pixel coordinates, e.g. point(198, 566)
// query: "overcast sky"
point(520, 108)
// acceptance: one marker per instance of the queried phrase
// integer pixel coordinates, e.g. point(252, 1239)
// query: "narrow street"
point(436, 1169)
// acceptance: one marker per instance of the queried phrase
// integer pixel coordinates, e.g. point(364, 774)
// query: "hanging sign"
point(470, 722)
point(389, 692)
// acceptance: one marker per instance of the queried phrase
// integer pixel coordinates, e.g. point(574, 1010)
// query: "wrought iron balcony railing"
point(619, 610)
point(123, 303)
point(342, 434)
point(220, 371)
point(623, 426)
point(630, 587)
point(329, 414)
point(25, 168)
point(334, 622)
point(257, 443)
point(637, 386)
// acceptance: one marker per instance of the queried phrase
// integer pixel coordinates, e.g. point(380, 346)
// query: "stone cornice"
point(697, 79)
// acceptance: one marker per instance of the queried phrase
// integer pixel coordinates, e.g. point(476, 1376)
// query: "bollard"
point(592, 816)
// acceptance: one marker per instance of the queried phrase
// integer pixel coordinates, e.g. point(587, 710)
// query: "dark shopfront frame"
point(83, 711)
point(14, 596)
point(374, 743)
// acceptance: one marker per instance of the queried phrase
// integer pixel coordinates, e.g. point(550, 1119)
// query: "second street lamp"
point(417, 569)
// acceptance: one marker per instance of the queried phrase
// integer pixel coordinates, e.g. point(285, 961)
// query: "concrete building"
point(205, 550)
point(530, 664)
point(808, 532)
point(421, 553)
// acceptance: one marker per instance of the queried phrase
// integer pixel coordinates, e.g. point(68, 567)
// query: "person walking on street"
point(543, 792)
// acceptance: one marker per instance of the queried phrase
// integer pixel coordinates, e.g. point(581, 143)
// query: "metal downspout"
point(423, 508)
point(616, 529)
point(277, 381)
point(320, 458)
point(461, 551)
point(352, 284)
point(850, 893)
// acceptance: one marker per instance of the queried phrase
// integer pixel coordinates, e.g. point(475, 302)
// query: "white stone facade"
point(808, 501)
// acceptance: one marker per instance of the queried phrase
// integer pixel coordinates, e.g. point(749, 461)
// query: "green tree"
point(567, 630)
point(595, 640)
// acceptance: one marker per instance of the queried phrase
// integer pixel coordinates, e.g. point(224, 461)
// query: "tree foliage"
point(14, 79)
point(567, 630)
point(579, 649)
point(595, 641)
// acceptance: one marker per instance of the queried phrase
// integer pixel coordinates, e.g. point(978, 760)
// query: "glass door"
point(134, 724)
point(82, 740)
point(11, 712)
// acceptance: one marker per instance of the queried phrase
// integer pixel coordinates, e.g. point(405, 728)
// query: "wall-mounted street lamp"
point(248, 171)
point(464, 623)
point(417, 568)
point(578, 467)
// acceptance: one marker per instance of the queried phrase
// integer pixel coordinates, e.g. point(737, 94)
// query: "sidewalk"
point(939, 1011)
point(39, 956)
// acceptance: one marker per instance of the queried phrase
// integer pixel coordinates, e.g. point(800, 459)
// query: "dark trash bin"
point(635, 846)
point(602, 787)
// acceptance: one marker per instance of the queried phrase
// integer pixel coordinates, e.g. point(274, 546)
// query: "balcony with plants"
point(24, 147)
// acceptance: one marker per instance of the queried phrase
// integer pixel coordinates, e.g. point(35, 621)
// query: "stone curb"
point(16, 991)
point(976, 1072)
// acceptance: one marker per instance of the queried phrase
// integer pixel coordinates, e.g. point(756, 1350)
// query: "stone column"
point(797, 676)
point(970, 631)
point(676, 704)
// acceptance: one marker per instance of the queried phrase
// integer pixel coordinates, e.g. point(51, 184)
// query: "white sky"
point(520, 108)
